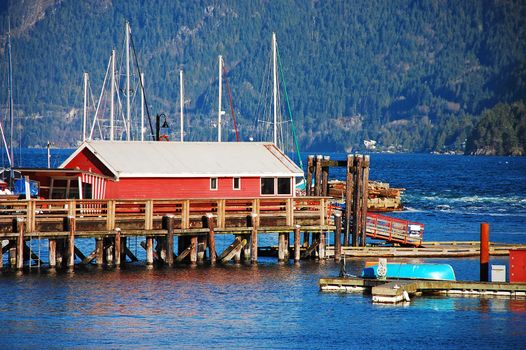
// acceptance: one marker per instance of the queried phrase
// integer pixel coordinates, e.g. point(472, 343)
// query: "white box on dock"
point(498, 273)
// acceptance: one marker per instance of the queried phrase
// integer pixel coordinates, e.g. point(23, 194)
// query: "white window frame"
point(234, 184)
point(217, 183)
point(267, 194)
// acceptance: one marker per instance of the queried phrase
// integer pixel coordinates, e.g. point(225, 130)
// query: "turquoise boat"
point(440, 272)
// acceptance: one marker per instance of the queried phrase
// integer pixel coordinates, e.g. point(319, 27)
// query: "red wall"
point(181, 188)
point(85, 160)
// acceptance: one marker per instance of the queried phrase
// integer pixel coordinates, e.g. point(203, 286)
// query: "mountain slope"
point(411, 74)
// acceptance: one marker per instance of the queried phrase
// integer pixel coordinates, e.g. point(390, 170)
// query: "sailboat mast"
point(142, 107)
point(112, 98)
point(220, 97)
point(11, 117)
point(85, 117)
point(275, 90)
point(181, 87)
point(128, 106)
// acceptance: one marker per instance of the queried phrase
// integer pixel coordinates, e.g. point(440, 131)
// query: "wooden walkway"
point(427, 250)
point(394, 291)
point(193, 222)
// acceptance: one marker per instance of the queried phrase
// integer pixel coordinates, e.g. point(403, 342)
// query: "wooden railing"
point(104, 215)
point(394, 230)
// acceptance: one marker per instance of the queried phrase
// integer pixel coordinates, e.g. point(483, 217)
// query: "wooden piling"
point(1, 256)
point(365, 197)
point(193, 253)
point(357, 201)
point(108, 247)
point(12, 254)
point(211, 238)
point(348, 198)
point(484, 252)
point(149, 250)
point(254, 238)
point(281, 247)
point(317, 182)
point(306, 239)
point(322, 246)
point(325, 177)
point(20, 244)
point(99, 243)
point(337, 236)
point(168, 224)
point(52, 253)
point(297, 243)
point(71, 242)
point(118, 247)
point(201, 247)
point(310, 169)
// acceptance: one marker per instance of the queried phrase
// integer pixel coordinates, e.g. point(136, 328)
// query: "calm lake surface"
point(279, 306)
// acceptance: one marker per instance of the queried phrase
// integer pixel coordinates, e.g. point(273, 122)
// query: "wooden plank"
point(227, 257)
point(89, 258)
point(185, 253)
point(230, 248)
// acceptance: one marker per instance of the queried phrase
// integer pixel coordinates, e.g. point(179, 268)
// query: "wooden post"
point(149, 250)
point(325, 177)
point(193, 253)
point(337, 236)
point(348, 198)
point(365, 198)
point(484, 252)
point(245, 252)
point(201, 247)
point(357, 200)
point(118, 247)
point(321, 247)
point(287, 245)
point(12, 254)
point(297, 243)
point(52, 253)
point(108, 243)
point(306, 239)
point(211, 238)
point(99, 242)
point(281, 247)
point(317, 183)
point(71, 242)
point(254, 238)
point(168, 224)
point(310, 169)
point(1, 256)
point(20, 244)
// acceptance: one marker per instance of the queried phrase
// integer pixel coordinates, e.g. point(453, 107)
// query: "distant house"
point(132, 169)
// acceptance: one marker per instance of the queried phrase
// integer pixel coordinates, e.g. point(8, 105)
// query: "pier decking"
point(394, 291)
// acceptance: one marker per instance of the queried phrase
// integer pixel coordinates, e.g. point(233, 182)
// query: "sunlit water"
point(273, 305)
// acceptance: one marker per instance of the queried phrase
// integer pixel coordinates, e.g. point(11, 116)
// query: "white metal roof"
point(190, 159)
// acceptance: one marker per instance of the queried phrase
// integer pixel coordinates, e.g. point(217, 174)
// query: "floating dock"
point(394, 291)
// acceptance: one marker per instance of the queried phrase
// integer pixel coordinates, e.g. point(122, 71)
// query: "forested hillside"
point(412, 75)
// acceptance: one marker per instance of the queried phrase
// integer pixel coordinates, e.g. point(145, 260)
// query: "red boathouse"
point(133, 169)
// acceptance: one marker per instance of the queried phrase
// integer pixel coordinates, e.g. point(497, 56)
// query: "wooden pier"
point(395, 291)
point(194, 223)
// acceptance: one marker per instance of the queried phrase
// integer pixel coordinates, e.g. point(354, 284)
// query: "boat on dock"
point(436, 272)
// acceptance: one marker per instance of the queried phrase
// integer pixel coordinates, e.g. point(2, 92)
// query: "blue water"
point(279, 306)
